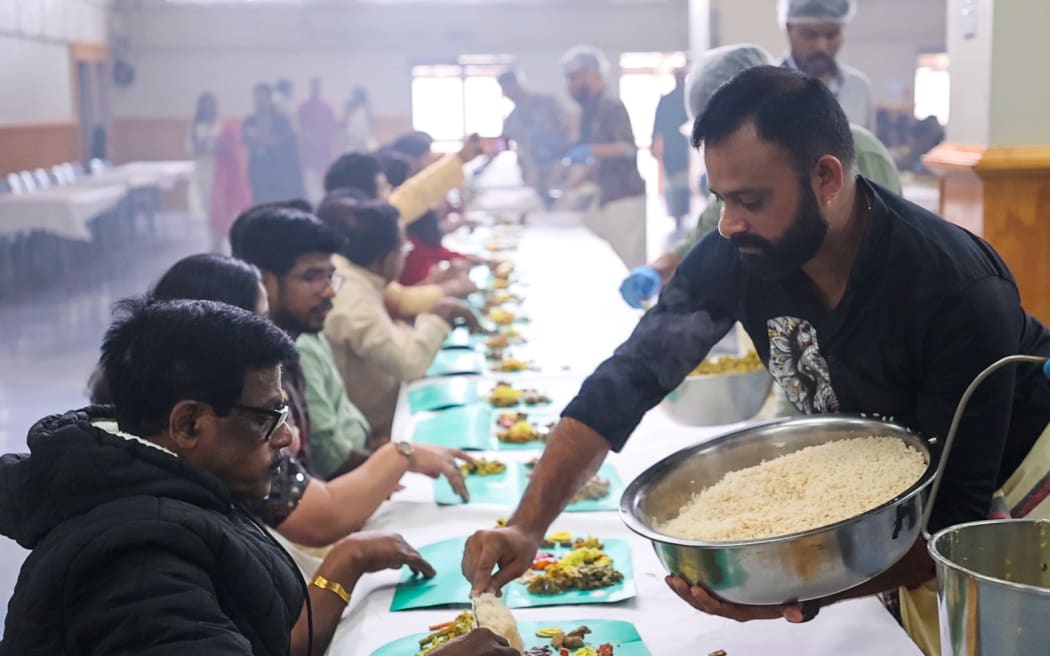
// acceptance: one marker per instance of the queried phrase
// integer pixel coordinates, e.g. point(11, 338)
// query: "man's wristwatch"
point(406, 449)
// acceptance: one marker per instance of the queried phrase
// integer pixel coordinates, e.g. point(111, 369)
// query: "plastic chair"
point(43, 181)
point(14, 183)
point(78, 169)
point(28, 181)
point(97, 166)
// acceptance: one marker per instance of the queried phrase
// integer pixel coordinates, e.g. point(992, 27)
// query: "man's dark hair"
point(210, 277)
point(413, 144)
point(797, 112)
point(274, 236)
point(396, 167)
point(369, 229)
point(158, 353)
point(508, 78)
point(354, 171)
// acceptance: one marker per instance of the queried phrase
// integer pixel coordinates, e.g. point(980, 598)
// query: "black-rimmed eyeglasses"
point(276, 417)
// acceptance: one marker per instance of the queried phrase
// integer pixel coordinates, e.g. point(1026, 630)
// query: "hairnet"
point(815, 11)
point(581, 58)
point(716, 67)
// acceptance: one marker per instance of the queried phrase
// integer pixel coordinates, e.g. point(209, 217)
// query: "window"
point(452, 100)
point(644, 77)
point(932, 87)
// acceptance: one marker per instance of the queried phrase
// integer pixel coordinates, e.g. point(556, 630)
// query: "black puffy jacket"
point(135, 552)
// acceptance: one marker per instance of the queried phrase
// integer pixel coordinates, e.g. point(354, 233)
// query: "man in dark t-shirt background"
point(672, 149)
point(857, 300)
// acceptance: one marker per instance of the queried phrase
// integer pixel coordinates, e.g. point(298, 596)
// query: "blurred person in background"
point(203, 141)
point(284, 97)
point(358, 126)
point(607, 149)
point(815, 34)
point(715, 68)
point(672, 149)
point(318, 134)
point(231, 193)
point(273, 151)
point(374, 352)
point(539, 129)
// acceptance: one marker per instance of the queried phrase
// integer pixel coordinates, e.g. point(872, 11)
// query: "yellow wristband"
point(337, 588)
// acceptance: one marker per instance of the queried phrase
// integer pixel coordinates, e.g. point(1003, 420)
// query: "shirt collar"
point(110, 426)
point(347, 267)
point(872, 249)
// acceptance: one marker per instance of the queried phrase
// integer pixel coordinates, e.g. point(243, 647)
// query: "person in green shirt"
point(715, 68)
point(292, 250)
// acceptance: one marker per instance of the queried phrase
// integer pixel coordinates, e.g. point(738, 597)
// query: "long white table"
point(66, 211)
point(577, 319)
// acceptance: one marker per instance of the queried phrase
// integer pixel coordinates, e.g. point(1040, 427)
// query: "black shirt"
point(928, 306)
point(670, 117)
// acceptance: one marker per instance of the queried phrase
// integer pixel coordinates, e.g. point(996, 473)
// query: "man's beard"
point(292, 324)
point(799, 245)
point(819, 65)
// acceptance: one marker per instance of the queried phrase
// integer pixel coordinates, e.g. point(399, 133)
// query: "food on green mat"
point(572, 640)
point(505, 395)
point(533, 397)
point(493, 615)
point(720, 652)
point(511, 365)
point(442, 633)
point(593, 490)
point(522, 431)
point(729, 364)
point(483, 467)
point(810, 488)
point(581, 569)
point(501, 317)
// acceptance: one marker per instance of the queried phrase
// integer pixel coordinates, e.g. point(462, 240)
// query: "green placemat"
point(440, 394)
point(449, 588)
point(622, 635)
point(506, 490)
point(455, 362)
point(466, 427)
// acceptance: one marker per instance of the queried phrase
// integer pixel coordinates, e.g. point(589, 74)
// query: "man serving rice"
point(857, 300)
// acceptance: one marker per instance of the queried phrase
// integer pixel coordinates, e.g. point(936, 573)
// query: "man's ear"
point(185, 423)
point(829, 178)
point(272, 284)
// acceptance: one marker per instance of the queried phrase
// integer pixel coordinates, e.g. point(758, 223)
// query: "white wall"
point(1018, 94)
point(35, 68)
point(883, 41)
point(180, 50)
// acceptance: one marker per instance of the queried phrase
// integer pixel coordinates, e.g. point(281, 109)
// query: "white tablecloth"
point(65, 211)
point(578, 318)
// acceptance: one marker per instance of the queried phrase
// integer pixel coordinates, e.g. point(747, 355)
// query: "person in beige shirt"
point(373, 351)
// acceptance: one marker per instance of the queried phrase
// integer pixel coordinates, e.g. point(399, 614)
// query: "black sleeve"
point(147, 594)
point(976, 327)
point(691, 316)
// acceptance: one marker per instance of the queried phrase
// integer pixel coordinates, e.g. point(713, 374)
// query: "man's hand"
point(367, 552)
point(510, 548)
point(479, 642)
point(453, 309)
point(472, 148)
point(640, 285)
point(704, 601)
point(434, 461)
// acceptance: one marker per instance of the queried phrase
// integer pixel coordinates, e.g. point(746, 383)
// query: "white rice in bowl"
point(810, 488)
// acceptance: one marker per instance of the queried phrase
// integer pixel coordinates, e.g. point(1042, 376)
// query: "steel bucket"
point(994, 588)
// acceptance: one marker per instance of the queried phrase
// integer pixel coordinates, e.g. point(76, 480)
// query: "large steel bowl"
point(994, 587)
point(797, 567)
point(715, 399)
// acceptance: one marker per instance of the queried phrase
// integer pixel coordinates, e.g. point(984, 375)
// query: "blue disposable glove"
point(642, 284)
point(579, 154)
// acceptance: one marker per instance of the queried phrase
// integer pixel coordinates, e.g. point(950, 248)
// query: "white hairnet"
point(815, 11)
point(581, 58)
point(716, 67)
